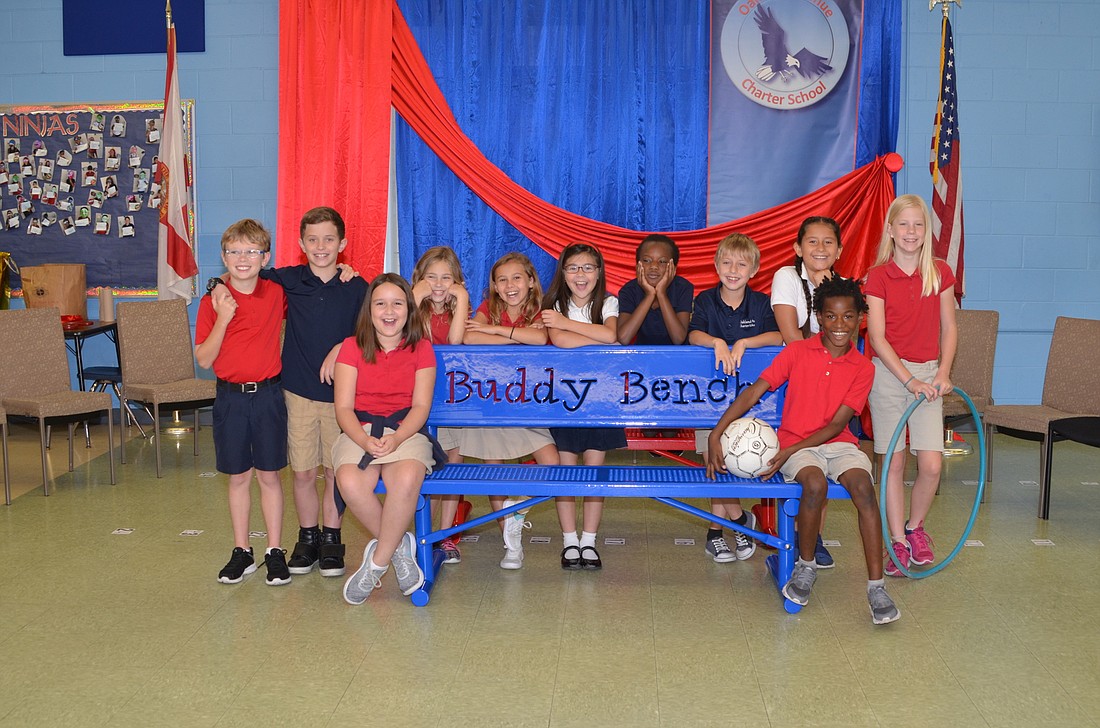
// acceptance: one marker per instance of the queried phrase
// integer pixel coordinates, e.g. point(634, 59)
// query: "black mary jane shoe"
point(568, 561)
point(590, 563)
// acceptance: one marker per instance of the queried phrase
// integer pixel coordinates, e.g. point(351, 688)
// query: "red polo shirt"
point(386, 386)
point(912, 320)
point(250, 349)
point(819, 385)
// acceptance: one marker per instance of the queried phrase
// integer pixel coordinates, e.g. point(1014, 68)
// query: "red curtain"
point(334, 122)
point(332, 89)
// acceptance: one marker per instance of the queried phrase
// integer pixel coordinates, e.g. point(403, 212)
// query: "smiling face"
point(244, 259)
point(512, 284)
point(908, 230)
point(654, 258)
point(582, 272)
point(389, 311)
point(440, 278)
point(819, 249)
point(839, 321)
point(734, 271)
point(322, 245)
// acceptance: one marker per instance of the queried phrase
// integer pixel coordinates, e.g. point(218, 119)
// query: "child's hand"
point(716, 462)
point(647, 288)
point(942, 384)
point(346, 272)
point(738, 353)
point(552, 319)
point(723, 358)
point(666, 279)
point(458, 292)
point(421, 290)
point(385, 445)
point(483, 327)
point(225, 306)
point(776, 463)
point(917, 387)
point(328, 366)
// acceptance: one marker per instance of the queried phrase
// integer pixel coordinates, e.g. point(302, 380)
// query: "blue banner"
point(794, 102)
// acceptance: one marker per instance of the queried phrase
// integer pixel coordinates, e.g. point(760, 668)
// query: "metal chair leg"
point(72, 429)
point(111, 443)
point(42, 442)
point(7, 471)
point(156, 433)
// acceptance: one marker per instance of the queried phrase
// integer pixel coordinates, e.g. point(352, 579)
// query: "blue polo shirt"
point(653, 329)
point(712, 315)
point(319, 316)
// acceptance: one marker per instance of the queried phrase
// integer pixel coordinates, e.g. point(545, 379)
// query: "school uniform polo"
point(653, 330)
point(912, 320)
point(250, 349)
point(818, 386)
point(319, 316)
point(715, 317)
point(386, 386)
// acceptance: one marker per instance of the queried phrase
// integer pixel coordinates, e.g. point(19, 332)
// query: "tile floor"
point(99, 629)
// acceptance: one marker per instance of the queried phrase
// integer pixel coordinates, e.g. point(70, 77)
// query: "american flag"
point(947, 206)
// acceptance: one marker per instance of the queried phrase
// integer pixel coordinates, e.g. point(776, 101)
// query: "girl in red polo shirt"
point(911, 326)
point(383, 383)
point(439, 289)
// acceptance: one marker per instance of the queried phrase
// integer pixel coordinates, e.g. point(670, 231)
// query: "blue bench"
point(596, 386)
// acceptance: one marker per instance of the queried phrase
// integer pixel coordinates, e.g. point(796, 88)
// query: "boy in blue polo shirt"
point(321, 313)
point(730, 318)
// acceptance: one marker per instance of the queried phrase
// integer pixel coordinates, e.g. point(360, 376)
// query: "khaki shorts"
point(888, 401)
point(311, 431)
point(833, 458)
point(417, 447)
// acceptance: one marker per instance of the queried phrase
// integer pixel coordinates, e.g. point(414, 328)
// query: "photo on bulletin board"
point(78, 184)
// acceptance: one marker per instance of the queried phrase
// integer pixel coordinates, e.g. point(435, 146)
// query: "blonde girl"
point(579, 312)
point(911, 327)
point(439, 289)
point(509, 315)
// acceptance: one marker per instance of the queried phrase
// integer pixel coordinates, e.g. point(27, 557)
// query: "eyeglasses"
point(587, 268)
point(244, 253)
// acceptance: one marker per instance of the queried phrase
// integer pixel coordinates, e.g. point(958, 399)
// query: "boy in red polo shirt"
point(237, 333)
point(828, 382)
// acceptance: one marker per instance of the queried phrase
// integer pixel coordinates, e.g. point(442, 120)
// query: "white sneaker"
point(513, 538)
point(745, 546)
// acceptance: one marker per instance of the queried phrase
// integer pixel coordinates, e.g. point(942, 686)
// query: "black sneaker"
point(332, 559)
point(277, 571)
point(240, 565)
point(304, 558)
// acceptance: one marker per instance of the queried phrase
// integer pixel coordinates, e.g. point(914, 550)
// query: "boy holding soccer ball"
point(828, 382)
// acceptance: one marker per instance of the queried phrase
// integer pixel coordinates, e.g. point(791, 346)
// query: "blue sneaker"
point(822, 556)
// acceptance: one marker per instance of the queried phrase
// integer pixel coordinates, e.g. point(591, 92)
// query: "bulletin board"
point(78, 185)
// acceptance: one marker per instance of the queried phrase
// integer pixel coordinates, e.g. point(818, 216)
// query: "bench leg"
point(781, 563)
point(422, 521)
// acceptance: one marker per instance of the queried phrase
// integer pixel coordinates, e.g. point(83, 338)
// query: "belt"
point(247, 387)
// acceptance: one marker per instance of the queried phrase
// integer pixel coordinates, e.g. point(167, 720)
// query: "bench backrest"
point(592, 386)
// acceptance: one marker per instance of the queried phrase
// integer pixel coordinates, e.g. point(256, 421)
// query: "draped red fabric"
point(858, 201)
point(334, 123)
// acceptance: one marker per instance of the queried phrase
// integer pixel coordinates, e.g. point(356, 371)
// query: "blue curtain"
point(597, 107)
point(880, 85)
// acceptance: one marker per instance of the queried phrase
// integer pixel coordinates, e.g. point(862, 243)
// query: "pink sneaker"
point(920, 545)
point(901, 551)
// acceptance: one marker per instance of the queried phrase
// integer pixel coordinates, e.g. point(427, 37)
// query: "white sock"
point(588, 539)
point(812, 564)
point(872, 583)
point(570, 539)
point(376, 567)
point(270, 549)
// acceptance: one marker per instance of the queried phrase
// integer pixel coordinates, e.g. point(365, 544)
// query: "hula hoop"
point(977, 495)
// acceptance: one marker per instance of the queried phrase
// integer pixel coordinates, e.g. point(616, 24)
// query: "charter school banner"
point(798, 97)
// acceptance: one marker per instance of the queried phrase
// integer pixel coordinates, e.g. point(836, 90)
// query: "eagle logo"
point(778, 60)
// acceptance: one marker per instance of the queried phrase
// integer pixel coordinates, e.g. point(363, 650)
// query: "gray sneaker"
point(365, 579)
point(883, 610)
point(720, 550)
point(513, 538)
point(408, 573)
point(801, 583)
point(745, 546)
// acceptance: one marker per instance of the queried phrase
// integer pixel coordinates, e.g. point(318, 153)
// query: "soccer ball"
point(749, 443)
